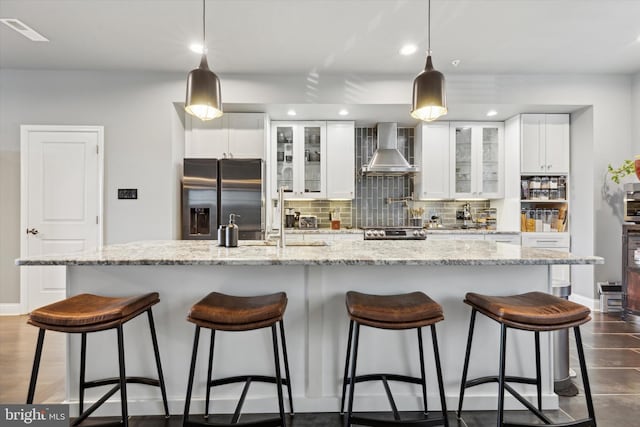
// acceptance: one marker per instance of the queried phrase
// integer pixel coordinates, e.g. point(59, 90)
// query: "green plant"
point(627, 168)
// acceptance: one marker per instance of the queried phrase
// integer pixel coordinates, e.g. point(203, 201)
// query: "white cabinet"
point(477, 160)
point(455, 236)
point(234, 135)
point(341, 179)
point(544, 143)
point(432, 153)
point(299, 159)
point(556, 241)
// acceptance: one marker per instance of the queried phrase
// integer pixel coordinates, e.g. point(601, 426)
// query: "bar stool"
point(223, 312)
point(395, 312)
point(85, 313)
point(536, 312)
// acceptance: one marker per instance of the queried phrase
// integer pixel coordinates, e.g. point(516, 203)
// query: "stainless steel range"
point(395, 233)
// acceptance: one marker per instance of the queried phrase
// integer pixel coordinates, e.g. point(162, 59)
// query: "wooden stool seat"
point(233, 313)
point(90, 313)
point(404, 311)
point(534, 311)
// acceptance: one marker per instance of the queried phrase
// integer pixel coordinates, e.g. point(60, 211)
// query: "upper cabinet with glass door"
point(299, 156)
point(477, 163)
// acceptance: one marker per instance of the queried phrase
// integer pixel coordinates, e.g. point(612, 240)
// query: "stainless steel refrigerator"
point(212, 189)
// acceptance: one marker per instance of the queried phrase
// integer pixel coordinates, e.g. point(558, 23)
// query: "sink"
point(275, 242)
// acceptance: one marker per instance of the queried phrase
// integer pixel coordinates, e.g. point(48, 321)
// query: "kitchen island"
point(315, 278)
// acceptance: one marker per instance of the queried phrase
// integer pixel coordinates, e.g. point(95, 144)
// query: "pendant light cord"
point(428, 28)
point(204, 27)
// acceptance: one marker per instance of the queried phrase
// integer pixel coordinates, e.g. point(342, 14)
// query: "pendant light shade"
point(204, 99)
point(429, 97)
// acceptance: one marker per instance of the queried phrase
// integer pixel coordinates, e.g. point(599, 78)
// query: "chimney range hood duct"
point(387, 160)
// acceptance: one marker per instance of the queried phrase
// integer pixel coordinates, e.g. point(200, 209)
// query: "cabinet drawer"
point(546, 241)
point(513, 239)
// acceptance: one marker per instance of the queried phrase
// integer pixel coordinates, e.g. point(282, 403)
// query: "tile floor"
point(612, 348)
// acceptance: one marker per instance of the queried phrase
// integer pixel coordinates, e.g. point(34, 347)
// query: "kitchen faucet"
point(281, 238)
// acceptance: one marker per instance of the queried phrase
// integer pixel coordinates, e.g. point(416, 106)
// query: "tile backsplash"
point(371, 206)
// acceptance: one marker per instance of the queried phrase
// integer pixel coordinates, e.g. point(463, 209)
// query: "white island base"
point(316, 326)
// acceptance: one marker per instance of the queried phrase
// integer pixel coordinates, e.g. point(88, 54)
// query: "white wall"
point(635, 109)
point(140, 127)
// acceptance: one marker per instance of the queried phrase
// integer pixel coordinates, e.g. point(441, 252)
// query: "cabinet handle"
point(542, 167)
point(549, 166)
point(547, 241)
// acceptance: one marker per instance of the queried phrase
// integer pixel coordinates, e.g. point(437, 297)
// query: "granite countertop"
point(361, 252)
point(443, 230)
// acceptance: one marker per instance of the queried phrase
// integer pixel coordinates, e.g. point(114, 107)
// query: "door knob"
point(32, 231)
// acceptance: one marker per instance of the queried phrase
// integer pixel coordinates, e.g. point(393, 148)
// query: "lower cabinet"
point(557, 241)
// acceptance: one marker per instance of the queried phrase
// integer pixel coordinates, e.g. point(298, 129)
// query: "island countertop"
point(397, 252)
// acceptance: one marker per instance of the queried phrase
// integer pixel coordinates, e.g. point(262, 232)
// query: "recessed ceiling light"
point(25, 30)
point(343, 112)
point(638, 39)
point(196, 48)
point(455, 62)
point(491, 113)
point(291, 112)
point(408, 49)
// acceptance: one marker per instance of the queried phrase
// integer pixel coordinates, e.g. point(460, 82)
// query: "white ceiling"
point(332, 37)
point(327, 36)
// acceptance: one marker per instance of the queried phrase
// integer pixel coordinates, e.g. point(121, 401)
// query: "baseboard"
point(11, 309)
point(592, 303)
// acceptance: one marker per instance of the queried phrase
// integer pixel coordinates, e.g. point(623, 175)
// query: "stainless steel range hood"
point(387, 160)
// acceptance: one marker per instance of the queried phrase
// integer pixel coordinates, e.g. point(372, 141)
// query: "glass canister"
point(553, 182)
point(539, 219)
point(546, 223)
point(534, 183)
point(531, 220)
point(544, 194)
point(554, 219)
point(553, 194)
point(562, 192)
point(523, 219)
point(544, 183)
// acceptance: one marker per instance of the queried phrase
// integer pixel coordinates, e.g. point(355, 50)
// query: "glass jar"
point(544, 194)
point(535, 194)
point(531, 220)
point(553, 182)
point(539, 219)
point(546, 222)
point(544, 183)
point(562, 192)
point(554, 219)
point(534, 183)
point(553, 194)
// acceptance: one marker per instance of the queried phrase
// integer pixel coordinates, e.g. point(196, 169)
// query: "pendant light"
point(203, 86)
point(429, 98)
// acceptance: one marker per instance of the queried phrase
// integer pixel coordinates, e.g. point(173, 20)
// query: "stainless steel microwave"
point(632, 202)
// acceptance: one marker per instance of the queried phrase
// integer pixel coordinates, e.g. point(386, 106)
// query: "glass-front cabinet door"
point(478, 161)
point(463, 158)
point(284, 157)
point(300, 159)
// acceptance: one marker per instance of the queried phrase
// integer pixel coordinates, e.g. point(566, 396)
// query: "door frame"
point(24, 188)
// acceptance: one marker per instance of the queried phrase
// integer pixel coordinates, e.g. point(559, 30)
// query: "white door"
point(61, 197)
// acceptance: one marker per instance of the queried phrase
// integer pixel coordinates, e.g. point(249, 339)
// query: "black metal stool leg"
point(123, 378)
point(209, 373)
point(192, 370)
point(83, 369)
point(501, 373)
point(436, 355)
point(286, 367)
point(422, 375)
point(585, 377)
point(346, 367)
point(356, 335)
point(465, 369)
point(36, 367)
point(538, 371)
point(274, 338)
point(156, 352)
